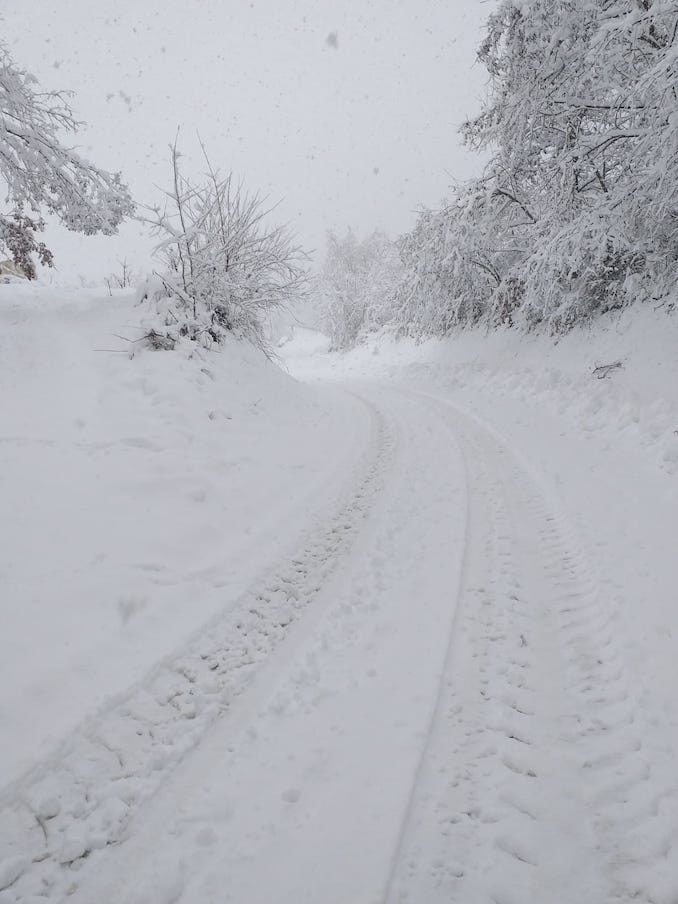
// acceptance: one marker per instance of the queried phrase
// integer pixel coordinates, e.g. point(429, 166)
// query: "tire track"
point(546, 775)
point(299, 792)
point(57, 818)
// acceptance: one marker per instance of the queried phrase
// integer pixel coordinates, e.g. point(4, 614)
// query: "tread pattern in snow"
point(57, 819)
point(558, 783)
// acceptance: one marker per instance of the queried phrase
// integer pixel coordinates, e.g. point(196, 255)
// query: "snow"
point(279, 86)
point(439, 667)
point(138, 496)
point(290, 769)
point(636, 405)
point(599, 458)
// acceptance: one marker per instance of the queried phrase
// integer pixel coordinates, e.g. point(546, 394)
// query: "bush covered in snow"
point(223, 268)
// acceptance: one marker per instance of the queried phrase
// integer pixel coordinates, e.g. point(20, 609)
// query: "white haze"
point(347, 111)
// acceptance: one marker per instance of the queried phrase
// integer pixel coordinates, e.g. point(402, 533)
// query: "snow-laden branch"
point(40, 172)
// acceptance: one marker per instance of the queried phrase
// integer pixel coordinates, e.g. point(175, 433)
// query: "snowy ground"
point(404, 632)
point(137, 495)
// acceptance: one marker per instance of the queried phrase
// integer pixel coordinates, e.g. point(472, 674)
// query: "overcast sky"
point(347, 110)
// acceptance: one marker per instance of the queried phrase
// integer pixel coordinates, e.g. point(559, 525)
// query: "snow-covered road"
point(434, 700)
point(300, 792)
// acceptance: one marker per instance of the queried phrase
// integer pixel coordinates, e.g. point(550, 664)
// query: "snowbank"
point(635, 404)
point(139, 495)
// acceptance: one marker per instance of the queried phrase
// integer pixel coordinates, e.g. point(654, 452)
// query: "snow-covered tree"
point(40, 173)
point(457, 259)
point(576, 212)
point(583, 126)
point(358, 285)
point(223, 267)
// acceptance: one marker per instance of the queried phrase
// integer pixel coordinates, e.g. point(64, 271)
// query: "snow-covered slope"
point(138, 496)
point(635, 404)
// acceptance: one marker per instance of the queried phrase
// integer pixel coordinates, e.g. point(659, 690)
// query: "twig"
point(602, 370)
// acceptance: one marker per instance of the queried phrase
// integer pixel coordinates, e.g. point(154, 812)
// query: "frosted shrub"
point(223, 268)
